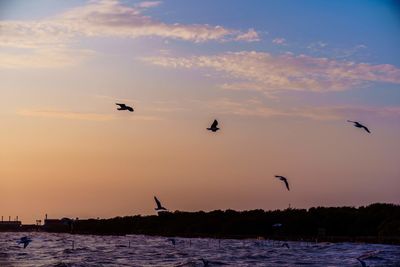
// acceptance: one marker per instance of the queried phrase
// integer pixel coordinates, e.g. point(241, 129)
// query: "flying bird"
point(283, 179)
point(25, 240)
point(124, 107)
point(359, 125)
point(214, 126)
point(159, 206)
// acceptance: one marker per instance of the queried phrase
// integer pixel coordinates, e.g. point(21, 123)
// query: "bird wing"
point(121, 105)
point(130, 109)
point(215, 124)
point(287, 184)
point(158, 203)
point(26, 244)
point(365, 128)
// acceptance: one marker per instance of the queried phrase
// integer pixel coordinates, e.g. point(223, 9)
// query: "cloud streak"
point(255, 108)
point(273, 73)
point(45, 42)
point(110, 18)
point(51, 113)
point(279, 41)
point(85, 116)
point(44, 58)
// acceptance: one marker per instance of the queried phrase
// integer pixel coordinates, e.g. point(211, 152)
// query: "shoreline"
point(376, 223)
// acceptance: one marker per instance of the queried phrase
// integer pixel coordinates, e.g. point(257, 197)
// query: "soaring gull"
point(359, 125)
point(159, 206)
point(124, 107)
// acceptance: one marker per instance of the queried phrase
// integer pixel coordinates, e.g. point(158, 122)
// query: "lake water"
point(56, 250)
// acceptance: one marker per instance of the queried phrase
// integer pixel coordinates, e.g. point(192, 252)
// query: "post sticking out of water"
point(129, 244)
point(73, 244)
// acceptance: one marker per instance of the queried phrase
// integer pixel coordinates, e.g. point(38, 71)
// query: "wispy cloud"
point(317, 45)
point(255, 108)
point(73, 115)
point(273, 73)
point(44, 58)
point(45, 42)
point(250, 36)
point(109, 18)
point(279, 41)
point(148, 4)
point(51, 113)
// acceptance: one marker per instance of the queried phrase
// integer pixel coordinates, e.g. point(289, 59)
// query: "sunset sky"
point(282, 77)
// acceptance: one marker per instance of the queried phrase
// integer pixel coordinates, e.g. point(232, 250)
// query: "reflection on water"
point(64, 250)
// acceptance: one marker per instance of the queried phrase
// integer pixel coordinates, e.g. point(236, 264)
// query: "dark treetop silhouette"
point(124, 107)
point(159, 206)
point(214, 126)
point(377, 223)
point(283, 179)
point(359, 125)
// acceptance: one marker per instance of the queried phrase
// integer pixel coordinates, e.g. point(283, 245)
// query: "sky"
point(281, 77)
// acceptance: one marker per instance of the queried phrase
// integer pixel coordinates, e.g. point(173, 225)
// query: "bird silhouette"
point(286, 245)
point(159, 206)
point(359, 125)
point(214, 126)
point(124, 107)
point(283, 179)
point(25, 240)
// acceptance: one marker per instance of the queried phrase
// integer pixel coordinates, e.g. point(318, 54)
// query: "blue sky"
point(281, 76)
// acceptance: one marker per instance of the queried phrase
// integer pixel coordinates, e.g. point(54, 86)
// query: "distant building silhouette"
point(58, 225)
point(10, 225)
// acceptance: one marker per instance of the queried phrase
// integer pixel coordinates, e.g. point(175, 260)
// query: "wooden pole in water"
point(73, 244)
point(129, 244)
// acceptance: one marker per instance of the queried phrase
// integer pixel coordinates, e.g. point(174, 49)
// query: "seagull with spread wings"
point(159, 206)
point(359, 125)
point(124, 107)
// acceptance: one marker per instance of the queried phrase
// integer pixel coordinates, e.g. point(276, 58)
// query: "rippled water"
point(57, 250)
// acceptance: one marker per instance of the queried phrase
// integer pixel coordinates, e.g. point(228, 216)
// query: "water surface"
point(64, 250)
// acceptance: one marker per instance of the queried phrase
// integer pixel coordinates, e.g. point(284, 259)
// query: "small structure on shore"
point(10, 225)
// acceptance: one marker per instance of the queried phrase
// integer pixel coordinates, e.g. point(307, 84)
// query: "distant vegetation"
point(374, 223)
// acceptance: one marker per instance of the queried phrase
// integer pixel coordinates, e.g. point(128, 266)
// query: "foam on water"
point(55, 250)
